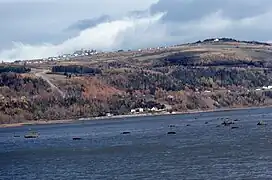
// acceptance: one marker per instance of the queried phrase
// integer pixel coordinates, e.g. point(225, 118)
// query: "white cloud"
point(141, 32)
point(216, 20)
point(104, 36)
point(44, 21)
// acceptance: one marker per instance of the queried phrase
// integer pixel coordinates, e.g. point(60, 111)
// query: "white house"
point(109, 114)
point(154, 109)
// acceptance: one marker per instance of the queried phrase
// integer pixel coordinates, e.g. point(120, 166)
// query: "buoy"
point(125, 132)
point(227, 123)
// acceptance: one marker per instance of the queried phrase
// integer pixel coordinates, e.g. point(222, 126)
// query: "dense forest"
point(38, 101)
point(181, 78)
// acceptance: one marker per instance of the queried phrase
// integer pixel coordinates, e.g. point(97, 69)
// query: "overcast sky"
point(36, 29)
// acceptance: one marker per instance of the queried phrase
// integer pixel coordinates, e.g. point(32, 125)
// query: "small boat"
point(125, 132)
point(77, 138)
point(261, 123)
point(171, 132)
point(32, 134)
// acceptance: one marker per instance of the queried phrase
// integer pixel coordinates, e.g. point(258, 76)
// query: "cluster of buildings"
point(147, 50)
point(264, 88)
point(79, 53)
point(89, 52)
point(142, 110)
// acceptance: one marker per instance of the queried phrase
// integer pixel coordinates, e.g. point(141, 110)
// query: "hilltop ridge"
point(231, 40)
point(206, 75)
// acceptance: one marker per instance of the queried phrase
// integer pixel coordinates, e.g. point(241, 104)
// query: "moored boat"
point(32, 134)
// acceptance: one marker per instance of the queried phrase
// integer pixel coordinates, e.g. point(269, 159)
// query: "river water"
point(200, 149)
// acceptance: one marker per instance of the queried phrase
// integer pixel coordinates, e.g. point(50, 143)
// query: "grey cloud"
point(183, 21)
point(187, 10)
point(44, 21)
point(31, 23)
point(89, 23)
point(138, 14)
point(189, 20)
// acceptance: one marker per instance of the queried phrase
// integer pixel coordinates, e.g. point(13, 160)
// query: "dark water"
point(198, 151)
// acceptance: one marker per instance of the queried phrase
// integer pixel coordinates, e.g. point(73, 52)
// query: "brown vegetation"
point(185, 78)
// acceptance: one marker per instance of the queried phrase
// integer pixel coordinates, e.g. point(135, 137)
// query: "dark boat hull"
point(28, 137)
point(77, 138)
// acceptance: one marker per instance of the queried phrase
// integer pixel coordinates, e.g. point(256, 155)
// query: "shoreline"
point(67, 121)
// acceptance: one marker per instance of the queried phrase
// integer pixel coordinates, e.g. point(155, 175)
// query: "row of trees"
point(15, 69)
point(76, 69)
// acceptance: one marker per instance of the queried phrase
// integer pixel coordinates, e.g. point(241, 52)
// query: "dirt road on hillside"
point(42, 74)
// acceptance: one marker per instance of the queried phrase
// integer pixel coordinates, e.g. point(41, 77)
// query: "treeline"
point(193, 59)
point(180, 78)
point(75, 69)
point(141, 80)
point(222, 77)
point(15, 69)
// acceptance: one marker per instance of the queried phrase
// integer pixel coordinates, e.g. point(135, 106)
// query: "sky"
point(31, 29)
